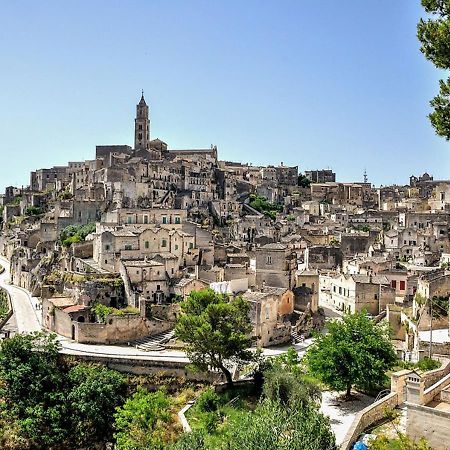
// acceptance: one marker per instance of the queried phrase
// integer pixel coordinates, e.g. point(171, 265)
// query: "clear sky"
point(335, 84)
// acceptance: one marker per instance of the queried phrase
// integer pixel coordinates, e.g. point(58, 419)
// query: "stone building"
point(276, 265)
point(355, 293)
point(270, 314)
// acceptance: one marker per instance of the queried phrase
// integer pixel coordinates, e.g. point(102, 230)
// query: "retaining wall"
point(430, 423)
point(367, 417)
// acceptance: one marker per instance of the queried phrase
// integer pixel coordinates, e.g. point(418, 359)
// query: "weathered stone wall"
point(435, 390)
point(430, 423)
point(109, 292)
point(119, 329)
point(367, 417)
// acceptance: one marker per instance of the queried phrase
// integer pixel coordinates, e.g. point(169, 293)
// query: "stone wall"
point(434, 390)
point(118, 329)
point(176, 367)
point(367, 417)
point(430, 423)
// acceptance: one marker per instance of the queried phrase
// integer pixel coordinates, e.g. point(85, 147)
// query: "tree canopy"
point(286, 417)
point(434, 36)
point(46, 403)
point(216, 329)
point(355, 351)
point(141, 422)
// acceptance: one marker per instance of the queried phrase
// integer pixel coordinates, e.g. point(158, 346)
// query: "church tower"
point(142, 126)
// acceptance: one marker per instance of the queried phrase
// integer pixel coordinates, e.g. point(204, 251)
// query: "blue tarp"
point(360, 446)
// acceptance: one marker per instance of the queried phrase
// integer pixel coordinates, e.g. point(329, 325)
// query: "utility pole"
point(431, 328)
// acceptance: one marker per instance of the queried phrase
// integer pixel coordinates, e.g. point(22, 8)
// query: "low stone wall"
point(433, 376)
point(445, 395)
point(430, 423)
point(435, 389)
point(163, 367)
point(367, 417)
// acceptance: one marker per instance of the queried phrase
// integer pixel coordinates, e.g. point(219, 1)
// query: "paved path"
point(24, 311)
point(341, 413)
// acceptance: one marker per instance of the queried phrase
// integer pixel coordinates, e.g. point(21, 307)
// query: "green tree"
point(32, 389)
point(94, 395)
point(141, 422)
point(46, 404)
point(434, 36)
point(285, 381)
point(303, 181)
point(355, 351)
point(215, 329)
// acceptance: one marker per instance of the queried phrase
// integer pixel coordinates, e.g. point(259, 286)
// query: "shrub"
point(33, 211)
point(286, 388)
point(209, 401)
point(428, 364)
point(76, 233)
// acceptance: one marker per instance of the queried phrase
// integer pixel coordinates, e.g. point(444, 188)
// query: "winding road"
point(24, 310)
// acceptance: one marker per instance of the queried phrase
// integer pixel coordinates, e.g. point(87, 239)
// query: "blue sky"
point(315, 83)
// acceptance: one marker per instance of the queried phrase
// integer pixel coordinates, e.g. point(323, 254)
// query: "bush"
point(76, 233)
point(33, 211)
point(428, 364)
point(210, 421)
point(284, 387)
point(209, 401)
point(190, 441)
point(102, 311)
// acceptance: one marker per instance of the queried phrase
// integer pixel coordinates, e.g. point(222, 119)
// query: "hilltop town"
point(109, 247)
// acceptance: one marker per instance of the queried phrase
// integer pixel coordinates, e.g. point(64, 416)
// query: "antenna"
point(365, 176)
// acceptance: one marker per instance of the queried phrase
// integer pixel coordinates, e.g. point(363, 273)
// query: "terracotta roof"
point(74, 308)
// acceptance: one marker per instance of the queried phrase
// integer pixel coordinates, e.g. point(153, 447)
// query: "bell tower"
point(142, 126)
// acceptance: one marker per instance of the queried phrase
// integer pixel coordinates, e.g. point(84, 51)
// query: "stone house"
point(134, 243)
point(355, 293)
point(306, 291)
point(270, 314)
point(276, 265)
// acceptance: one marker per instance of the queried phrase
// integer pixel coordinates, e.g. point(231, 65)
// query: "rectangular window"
point(176, 247)
point(127, 247)
point(164, 219)
point(107, 247)
point(269, 260)
point(164, 243)
point(191, 245)
point(147, 244)
point(145, 219)
point(129, 219)
point(402, 285)
point(177, 219)
point(393, 283)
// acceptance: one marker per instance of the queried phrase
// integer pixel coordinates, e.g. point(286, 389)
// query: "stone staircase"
point(155, 342)
point(296, 338)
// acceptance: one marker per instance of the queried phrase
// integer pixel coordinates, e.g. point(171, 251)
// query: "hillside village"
point(111, 246)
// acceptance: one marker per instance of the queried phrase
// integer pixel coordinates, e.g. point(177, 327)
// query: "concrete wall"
point(430, 423)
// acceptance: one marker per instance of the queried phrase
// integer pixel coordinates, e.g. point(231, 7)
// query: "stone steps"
point(155, 342)
point(296, 337)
